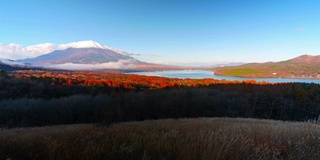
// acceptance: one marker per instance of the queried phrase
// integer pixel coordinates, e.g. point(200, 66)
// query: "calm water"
point(199, 74)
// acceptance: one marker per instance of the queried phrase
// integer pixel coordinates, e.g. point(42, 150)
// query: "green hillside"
point(300, 67)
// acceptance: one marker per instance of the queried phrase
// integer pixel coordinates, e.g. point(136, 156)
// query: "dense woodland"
point(38, 98)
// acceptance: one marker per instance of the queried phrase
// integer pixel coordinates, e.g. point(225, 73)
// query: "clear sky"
point(171, 31)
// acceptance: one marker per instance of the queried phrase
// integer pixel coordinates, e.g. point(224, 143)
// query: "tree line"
point(39, 101)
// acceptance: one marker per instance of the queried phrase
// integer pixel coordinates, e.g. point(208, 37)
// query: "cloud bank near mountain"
point(18, 51)
point(121, 64)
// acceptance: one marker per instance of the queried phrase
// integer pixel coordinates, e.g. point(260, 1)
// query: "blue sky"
point(168, 31)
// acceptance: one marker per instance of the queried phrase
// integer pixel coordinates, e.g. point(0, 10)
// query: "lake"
point(200, 74)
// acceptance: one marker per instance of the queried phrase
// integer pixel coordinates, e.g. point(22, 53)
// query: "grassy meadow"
point(202, 138)
point(240, 72)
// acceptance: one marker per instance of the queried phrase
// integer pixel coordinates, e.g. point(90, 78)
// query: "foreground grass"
point(203, 138)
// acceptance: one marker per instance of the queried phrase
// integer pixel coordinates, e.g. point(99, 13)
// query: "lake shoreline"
point(201, 74)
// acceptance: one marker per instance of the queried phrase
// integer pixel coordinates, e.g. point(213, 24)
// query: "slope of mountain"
point(304, 66)
point(78, 55)
point(84, 55)
point(90, 55)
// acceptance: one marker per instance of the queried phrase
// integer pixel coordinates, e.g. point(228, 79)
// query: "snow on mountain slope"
point(92, 44)
point(83, 44)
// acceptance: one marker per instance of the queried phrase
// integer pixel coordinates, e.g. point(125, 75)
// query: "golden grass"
point(202, 138)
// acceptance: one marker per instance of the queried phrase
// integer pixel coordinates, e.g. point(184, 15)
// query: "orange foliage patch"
point(68, 78)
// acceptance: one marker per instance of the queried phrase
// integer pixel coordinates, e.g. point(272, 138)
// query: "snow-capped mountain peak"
point(93, 44)
point(84, 44)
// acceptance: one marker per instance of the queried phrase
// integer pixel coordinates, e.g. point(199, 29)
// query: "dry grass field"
point(202, 138)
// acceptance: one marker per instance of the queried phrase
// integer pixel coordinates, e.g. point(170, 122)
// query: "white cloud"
point(10, 50)
point(40, 49)
point(121, 64)
point(301, 29)
point(18, 51)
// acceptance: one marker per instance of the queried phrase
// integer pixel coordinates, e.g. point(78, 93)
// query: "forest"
point(38, 98)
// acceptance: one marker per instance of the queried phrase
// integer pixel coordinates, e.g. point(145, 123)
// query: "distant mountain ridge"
point(304, 66)
point(306, 59)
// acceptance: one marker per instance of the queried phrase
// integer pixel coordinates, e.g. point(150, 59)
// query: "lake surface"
point(200, 74)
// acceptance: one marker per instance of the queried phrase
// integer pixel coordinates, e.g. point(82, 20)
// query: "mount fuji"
point(90, 55)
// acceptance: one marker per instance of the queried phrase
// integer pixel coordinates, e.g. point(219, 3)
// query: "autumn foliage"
point(128, 81)
point(38, 98)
